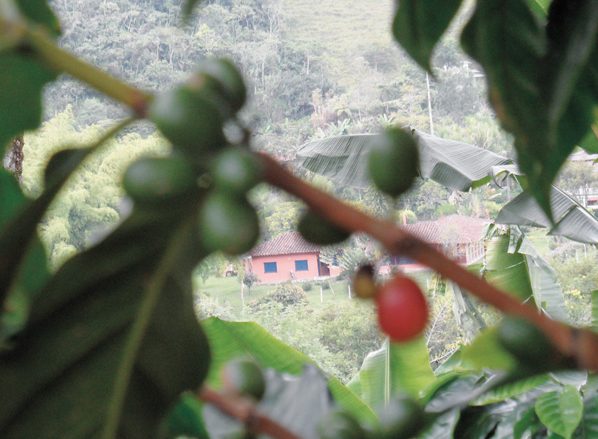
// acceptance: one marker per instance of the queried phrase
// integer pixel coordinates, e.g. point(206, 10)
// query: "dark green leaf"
point(560, 411)
point(233, 339)
point(39, 12)
point(455, 392)
point(569, 69)
point(443, 426)
point(571, 219)
point(11, 197)
point(80, 331)
point(510, 390)
point(419, 24)
point(590, 141)
point(505, 37)
point(588, 427)
point(186, 419)
point(22, 78)
point(527, 425)
point(485, 352)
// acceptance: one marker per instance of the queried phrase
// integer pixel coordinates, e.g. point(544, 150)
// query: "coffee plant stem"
point(578, 344)
point(246, 413)
point(63, 61)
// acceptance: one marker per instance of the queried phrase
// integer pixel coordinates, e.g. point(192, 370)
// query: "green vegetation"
point(106, 299)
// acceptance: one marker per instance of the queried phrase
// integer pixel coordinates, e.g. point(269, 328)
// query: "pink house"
point(287, 257)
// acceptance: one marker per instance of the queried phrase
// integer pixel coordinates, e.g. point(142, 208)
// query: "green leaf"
point(570, 219)
point(539, 6)
point(394, 368)
point(186, 419)
point(506, 38)
point(22, 78)
point(454, 164)
point(560, 411)
point(511, 390)
point(100, 342)
point(454, 393)
point(11, 197)
point(230, 340)
point(527, 425)
point(595, 310)
point(575, 378)
point(419, 24)
point(514, 265)
point(39, 12)
point(590, 141)
point(299, 403)
point(588, 427)
point(570, 72)
point(485, 352)
point(443, 426)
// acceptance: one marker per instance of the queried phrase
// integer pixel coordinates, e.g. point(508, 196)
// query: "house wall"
point(285, 265)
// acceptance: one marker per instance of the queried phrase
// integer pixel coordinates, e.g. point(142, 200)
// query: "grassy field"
point(227, 291)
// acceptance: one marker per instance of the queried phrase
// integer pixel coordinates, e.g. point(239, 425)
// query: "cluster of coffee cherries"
point(203, 166)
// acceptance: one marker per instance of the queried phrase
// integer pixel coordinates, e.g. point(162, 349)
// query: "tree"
point(107, 344)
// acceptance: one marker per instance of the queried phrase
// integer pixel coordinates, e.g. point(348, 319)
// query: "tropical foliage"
point(108, 343)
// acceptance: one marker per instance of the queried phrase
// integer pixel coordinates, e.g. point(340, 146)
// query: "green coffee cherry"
point(228, 223)
point(393, 161)
point(244, 377)
point(189, 120)
point(402, 418)
point(229, 78)
point(153, 180)
point(236, 170)
point(340, 424)
point(314, 228)
point(526, 342)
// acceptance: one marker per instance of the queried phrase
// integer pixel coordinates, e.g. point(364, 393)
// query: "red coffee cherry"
point(402, 309)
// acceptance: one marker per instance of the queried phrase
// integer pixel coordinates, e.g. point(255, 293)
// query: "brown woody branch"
point(245, 412)
point(578, 344)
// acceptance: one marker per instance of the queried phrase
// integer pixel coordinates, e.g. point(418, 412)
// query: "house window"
point(270, 267)
point(301, 265)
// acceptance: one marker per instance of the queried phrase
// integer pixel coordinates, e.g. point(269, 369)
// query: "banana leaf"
point(513, 264)
point(458, 166)
point(394, 368)
point(571, 219)
point(454, 164)
point(229, 340)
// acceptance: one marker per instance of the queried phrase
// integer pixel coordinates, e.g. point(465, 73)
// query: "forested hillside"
point(316, 70)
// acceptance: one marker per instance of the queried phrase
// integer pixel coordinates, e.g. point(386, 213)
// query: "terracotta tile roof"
point(286, 244)
point(449, 229)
